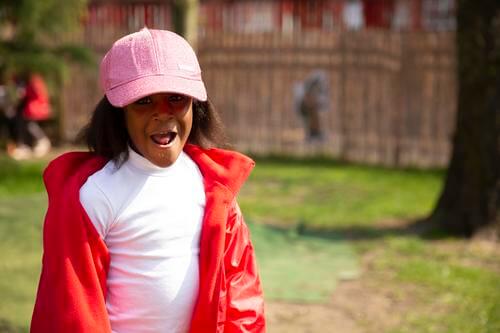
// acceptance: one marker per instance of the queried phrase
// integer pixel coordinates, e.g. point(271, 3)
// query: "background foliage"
point(35, 37)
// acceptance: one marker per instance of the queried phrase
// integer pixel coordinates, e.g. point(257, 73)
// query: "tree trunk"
point(471, 196)
point(185, 19)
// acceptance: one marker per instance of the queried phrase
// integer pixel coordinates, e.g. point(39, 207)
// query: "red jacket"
point(37, 99)
point(72, 290)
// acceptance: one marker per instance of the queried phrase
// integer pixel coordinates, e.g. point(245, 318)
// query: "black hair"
point(106, 133)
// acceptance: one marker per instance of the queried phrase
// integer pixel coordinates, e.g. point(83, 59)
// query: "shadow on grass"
point(327, 161)
point(422, 228)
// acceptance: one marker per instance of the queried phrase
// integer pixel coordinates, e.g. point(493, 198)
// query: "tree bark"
point(185, 19)
point(471, 196)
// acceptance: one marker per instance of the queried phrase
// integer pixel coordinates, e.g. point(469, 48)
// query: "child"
point(144, 234)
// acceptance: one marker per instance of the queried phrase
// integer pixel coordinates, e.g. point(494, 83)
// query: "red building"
point(287, 16)
point(270, 16)
point(378, 13)
point(297, 15)
point(129, 14)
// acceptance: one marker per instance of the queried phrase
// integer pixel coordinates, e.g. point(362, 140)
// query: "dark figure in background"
point(8, 101)
point(311, 97)
point(33, 107)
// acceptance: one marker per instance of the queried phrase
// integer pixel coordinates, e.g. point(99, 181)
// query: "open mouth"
point(164, 138)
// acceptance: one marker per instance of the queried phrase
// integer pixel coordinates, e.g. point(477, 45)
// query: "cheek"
point(189, 122)
point(189, 119)
point(134, 128)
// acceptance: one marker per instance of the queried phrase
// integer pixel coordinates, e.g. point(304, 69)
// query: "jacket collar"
point(225, 167)
point(218, 166)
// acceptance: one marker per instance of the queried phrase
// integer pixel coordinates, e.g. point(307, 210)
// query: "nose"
point(164, 108)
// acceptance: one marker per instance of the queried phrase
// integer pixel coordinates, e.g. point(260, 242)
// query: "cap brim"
point(130, 92)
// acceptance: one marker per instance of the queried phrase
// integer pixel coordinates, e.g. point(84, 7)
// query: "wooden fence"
point(392, 95)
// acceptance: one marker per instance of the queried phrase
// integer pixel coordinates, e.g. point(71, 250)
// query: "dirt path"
point(364, 305)
point(375, 302)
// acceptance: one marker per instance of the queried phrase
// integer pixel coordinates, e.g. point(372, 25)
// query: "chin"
point(165, 160)
point(164, 164)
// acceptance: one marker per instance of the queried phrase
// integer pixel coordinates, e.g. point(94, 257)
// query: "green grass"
point(455, 289)
point(315, 194)
point(460, 286)
point(324, 193)
point(301, 268)
point(22, 206)
point(20, 243)
point(20, 178)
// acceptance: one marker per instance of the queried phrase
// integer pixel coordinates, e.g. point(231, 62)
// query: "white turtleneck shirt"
point(150, 219)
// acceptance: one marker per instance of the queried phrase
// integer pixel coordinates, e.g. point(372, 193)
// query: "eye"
point(176, 98)
point(144, 101)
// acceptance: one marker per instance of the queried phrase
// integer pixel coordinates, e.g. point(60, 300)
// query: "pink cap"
point(148, 62)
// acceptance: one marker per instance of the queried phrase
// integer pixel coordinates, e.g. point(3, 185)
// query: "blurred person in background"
point(33, 107)
point(310, 98)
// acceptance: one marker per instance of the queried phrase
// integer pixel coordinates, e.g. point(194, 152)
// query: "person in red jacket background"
point(33, 107)
point(143, 233)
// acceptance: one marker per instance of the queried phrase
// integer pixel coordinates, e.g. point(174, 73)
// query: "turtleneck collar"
point(143, 165)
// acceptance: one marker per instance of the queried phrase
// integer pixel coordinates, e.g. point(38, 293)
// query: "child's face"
point(159, 126)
